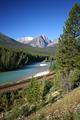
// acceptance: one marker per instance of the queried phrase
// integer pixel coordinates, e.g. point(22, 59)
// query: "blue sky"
point(20, 18)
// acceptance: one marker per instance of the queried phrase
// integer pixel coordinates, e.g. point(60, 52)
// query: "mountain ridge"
point(9, 42)
point(41, 41)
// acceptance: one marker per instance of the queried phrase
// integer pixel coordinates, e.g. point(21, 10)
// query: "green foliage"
point(76, 115)
point(15, 55)
point(8, 42)
point(68, 50)
point(6, 100)
point(72, 25)
point(42, 117)
point(52, 65)
point(46, 87)
point(74, 78)
point(34, 95)
point(57, 82)
point(67, 76)
point(11, 99)
point(61, 81)
point(68, 59)
point(27, 109)
point(12, 59)
point(66, 53)
point(16, 112)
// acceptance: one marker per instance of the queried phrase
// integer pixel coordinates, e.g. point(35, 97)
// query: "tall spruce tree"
point(72, 25)
point(68, 49)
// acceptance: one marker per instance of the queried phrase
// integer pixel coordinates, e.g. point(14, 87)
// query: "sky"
point(23, 18)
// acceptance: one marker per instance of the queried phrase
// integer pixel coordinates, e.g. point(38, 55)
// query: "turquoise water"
point(29, 70)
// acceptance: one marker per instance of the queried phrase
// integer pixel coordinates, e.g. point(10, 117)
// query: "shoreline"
point(26, 74)
point(39, 74)
point(42, 73)
point(26, 79)
point(24, 83)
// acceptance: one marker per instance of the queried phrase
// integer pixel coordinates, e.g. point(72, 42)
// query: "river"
point(27, 71)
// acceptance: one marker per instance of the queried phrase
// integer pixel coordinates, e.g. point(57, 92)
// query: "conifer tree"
point(34, 94)
point(72, 25)
point(68, 49)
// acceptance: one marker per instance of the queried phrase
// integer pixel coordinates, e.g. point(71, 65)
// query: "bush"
point(47, 85)
point(34, 95)
point(74, 78)
point(42, 117)
point(57, 80)
point(76, 115)
point(25, 110)
point(52, 65)
point(14, 114)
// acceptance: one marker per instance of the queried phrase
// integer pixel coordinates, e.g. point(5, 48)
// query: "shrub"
point(52, 65)
point(47, 85)
point(57, 80)
point(74, 78)
point(14, 114)
point(42, 117)
point(25, 110)
point(34, 95)
point(76, 114)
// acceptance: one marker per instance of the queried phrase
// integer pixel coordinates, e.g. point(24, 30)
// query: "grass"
point(67, 108)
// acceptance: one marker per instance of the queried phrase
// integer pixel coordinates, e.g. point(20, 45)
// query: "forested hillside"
point(12, 59)
point(11, 43)
point(14, 55)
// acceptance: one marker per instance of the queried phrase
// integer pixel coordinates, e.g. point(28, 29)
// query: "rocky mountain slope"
point(41, 41)
point(8, 42)
point(25, 40)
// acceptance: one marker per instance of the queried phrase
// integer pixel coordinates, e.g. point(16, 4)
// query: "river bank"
point(26, 72)
point(37, 75)
point(24, 83)
point(40, 74)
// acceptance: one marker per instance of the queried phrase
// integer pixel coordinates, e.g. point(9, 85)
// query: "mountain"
point(41, 41)
point(8, 42)
point(53, 43)
point(25, 40)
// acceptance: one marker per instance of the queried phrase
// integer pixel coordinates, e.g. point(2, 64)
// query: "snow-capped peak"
point(25, 40)
point(40, 41)
point(28, 38)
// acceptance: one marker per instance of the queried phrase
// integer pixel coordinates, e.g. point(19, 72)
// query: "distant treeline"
point(12, 58)
point(14, 55)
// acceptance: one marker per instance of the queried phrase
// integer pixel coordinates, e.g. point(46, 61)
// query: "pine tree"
point(68, 49)
point(72, 25)
point(66, 53)
point(34, 95)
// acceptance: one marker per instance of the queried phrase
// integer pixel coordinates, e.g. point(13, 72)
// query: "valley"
point(40, 77)
point(17, 54)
